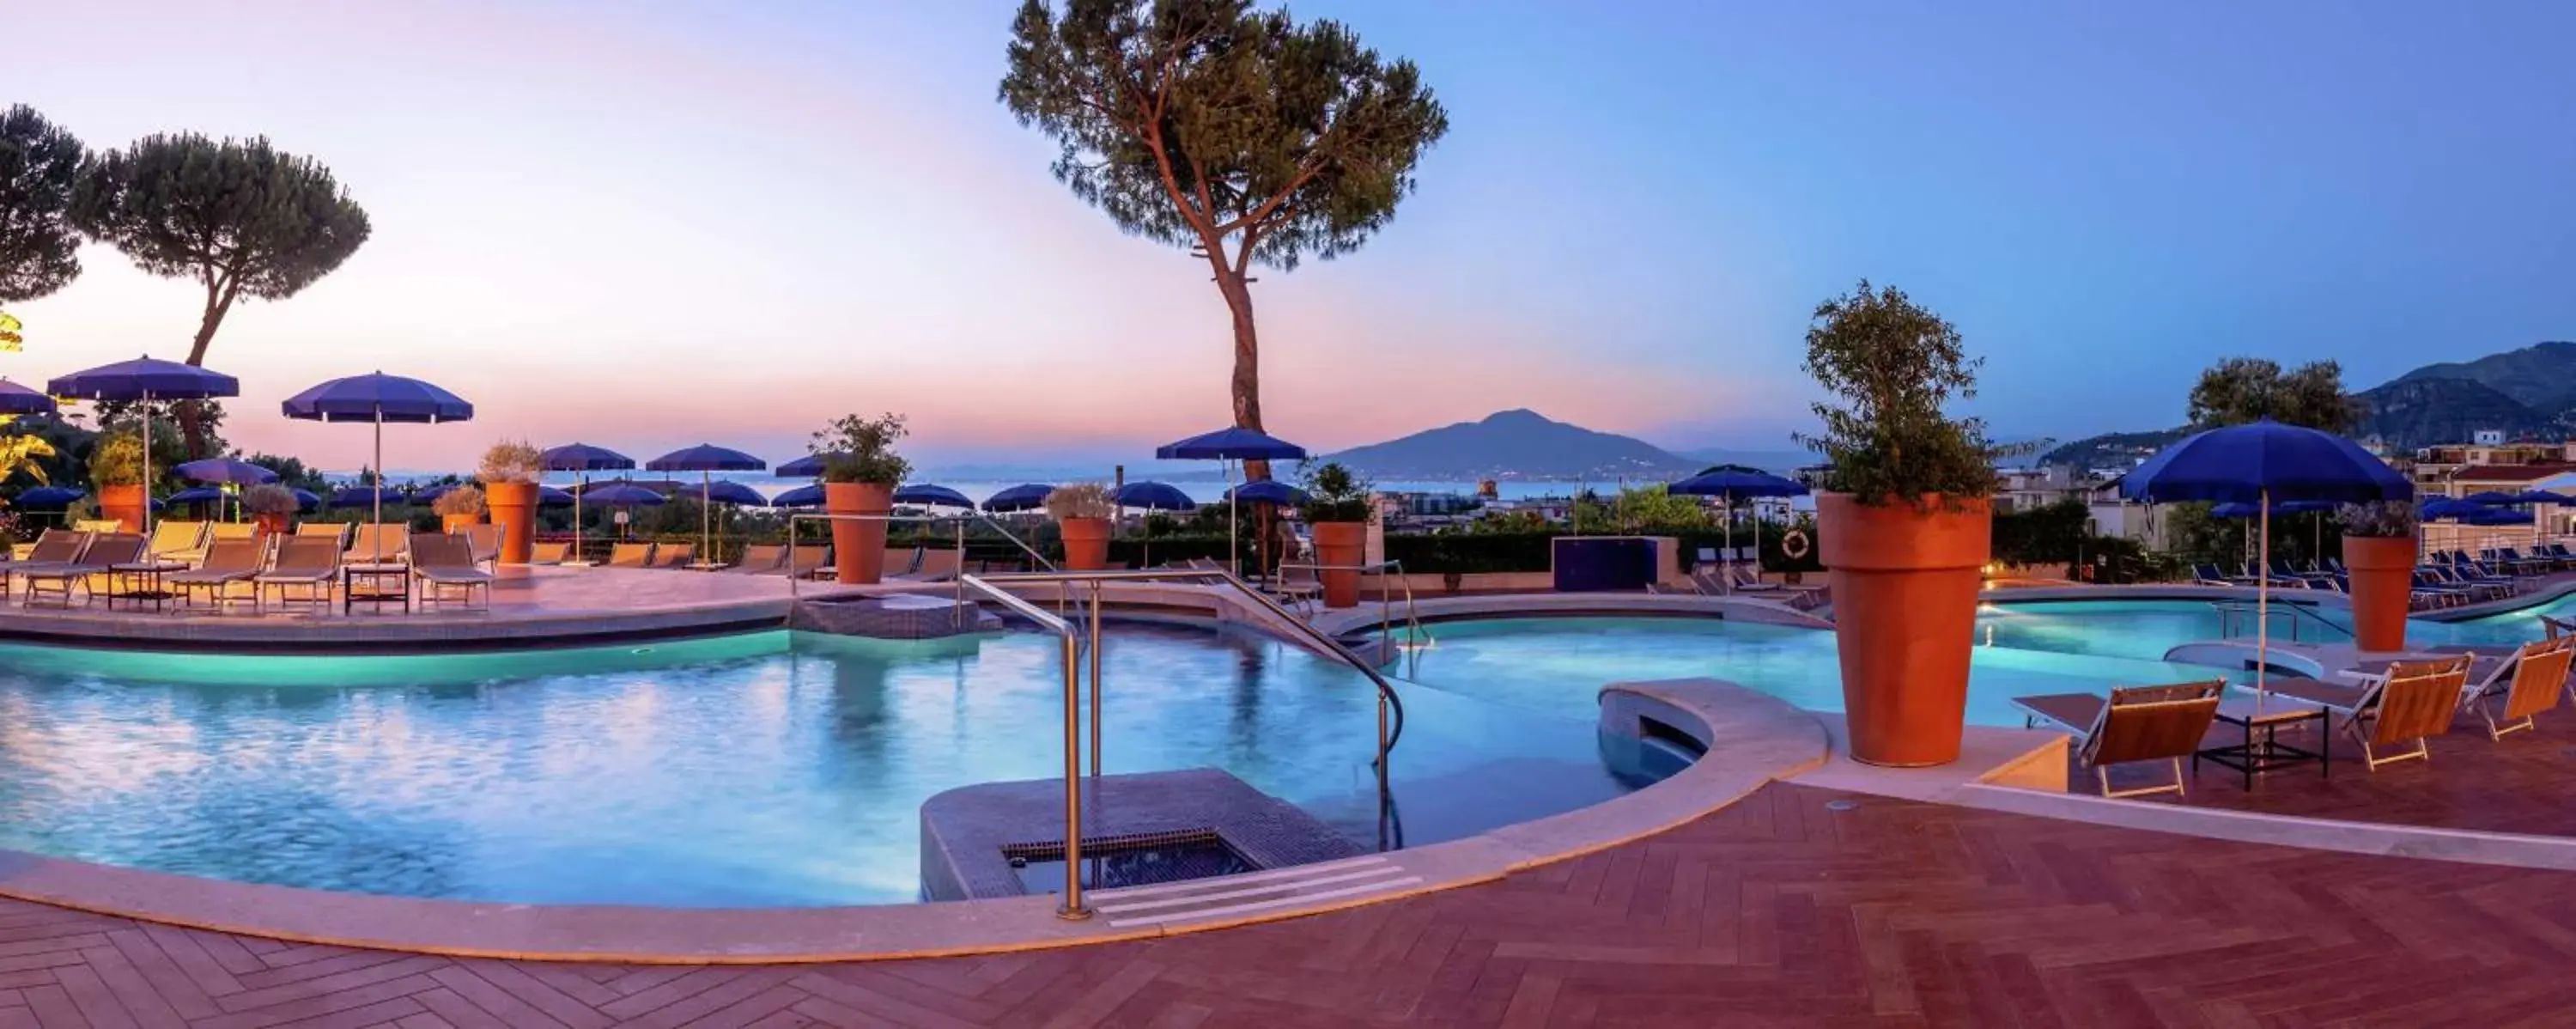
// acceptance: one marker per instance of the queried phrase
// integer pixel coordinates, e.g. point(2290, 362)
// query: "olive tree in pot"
point(860, 472)
point(1337, 510)
point(458, 508)
point(509, 473)
point(2379, 547)
point(1081, 512)
point(272, 506)
point(116, 468)
point(1905, 520)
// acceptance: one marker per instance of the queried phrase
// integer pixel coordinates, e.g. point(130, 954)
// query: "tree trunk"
point(192, 421)
point(1247, 365)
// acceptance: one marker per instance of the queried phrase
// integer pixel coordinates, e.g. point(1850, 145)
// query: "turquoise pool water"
point(761, 770)
point(1553, 665)
point(2147, 629)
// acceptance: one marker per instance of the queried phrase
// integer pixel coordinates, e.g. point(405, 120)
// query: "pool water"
point(761, 770)
point(1554, 665)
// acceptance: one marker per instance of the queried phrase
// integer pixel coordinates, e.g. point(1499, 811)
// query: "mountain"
point(2541, 376)
point(2414, 412)
point(1516, 444)
point(2112, 449)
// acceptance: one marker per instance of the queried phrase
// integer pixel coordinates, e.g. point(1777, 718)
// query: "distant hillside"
point(1513, 444)
point(2541, 376)
point(2112, 449)
point(2414, 412)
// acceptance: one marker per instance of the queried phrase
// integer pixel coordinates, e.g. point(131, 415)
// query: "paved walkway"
point(1779, 911)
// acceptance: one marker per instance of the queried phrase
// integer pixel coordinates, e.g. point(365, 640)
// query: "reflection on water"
point(754, 770)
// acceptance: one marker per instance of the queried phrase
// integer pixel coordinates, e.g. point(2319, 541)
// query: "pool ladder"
point(1081, 647)
point(2239, 617)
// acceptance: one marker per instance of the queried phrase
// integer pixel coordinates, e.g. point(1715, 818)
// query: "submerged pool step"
point(1236, 895)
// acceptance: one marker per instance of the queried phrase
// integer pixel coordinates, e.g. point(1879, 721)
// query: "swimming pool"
point(1553, 665)
point(2148, 629)
point(763, 770)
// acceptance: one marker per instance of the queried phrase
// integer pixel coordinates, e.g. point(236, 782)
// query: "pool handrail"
point(2230, 610)
point(1385, 571)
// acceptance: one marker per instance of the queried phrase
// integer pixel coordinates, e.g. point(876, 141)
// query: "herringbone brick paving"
point(1777, 911)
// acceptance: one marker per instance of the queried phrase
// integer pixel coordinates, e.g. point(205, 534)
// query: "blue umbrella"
point(429, 494)
point(359, 496)
point(2264, 463)
point(1270, 491)
point(726, 492)
point(1735, 485)
point(2491, 497)
point(195, 495)
point(927, 495)
point(2285, 507)
point(225, 469)
point(146, 380)
point(801, 496)
point(18, 400)
point(2542, 496)
point(1022, 497)
point(581, 459)
point(2447, 507)
point(706, 459)
point(548, 496)
point(378, 398)
point(805, 467)
point(1154, 496)
point(49, 498)
point(305, 501)
point(622, 494)
point(1232, 444)
point(2495, 516)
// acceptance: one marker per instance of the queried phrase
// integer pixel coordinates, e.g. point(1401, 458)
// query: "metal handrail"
point(1390, 569)
point(1071, 907)
point(2230, 610)
point(960, 519)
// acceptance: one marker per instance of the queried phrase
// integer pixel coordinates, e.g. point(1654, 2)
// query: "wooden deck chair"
point(54, 548)
point(2137, 723)
point(2536, 678)
point(804, 562)
point(630, 555)
point(760, 559)
point(900, 561)
point(935, 566)
point(306, 563)
point(103, 552)
point(672, 555)
point(483, 540)
point(549, 553)
point(379, 543)
point(1298, 586)
point(228, 561)
point(445, 566)
point(2414, 703)
point(177, 541)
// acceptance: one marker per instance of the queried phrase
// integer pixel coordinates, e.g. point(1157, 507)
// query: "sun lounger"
point(2528, 685)
point(1298, 587)
point(760, 559)
point(444, 564)
point(177, 541)
point(54, 548)
point(228, 562)
point(1743, 579)
point(672, 555)
point(2137, 723)
point(483, 540)
point(900, 561)
point(98, 526)
point(337, 532)
point(549, 553)
point(935, 566)
point(61, 580)
point(379, 543)
point(630, 555)
point(301, 573)
point(2412, 703)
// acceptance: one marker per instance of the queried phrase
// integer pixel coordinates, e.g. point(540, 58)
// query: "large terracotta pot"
point(123, 503)
point(2383, 580)
point(1904, 580)
point(456, 523)
point(514, 508)
point(273, 523)
point(1341, 543)
point(858, 547)
point(1086, 543)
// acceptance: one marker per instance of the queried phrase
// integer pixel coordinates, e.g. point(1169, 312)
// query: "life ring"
point(1795, 546)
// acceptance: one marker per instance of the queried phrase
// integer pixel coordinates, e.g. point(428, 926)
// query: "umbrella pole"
point(1233, 550)
point(379, 517)
point(706, 514)
point(147, 467)
point(580, 481)
point(1729, 565)
point(2263, 602)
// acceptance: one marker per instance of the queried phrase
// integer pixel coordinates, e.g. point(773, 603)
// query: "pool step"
point(1234, 896)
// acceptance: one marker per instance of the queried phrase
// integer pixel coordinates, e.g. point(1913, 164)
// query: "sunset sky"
point(650, 224)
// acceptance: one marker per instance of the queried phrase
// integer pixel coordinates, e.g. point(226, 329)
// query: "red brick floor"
point(1779, 911)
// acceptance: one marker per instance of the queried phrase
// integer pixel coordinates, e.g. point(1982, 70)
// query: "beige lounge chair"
point(303, 563)
point(2137, 723)
point(62, 580)
point(899, 561)
point(804, 562)
point(935, 566)
point(178, 541)
point(672, 555)
point(444, 564)
point(55, 547)
point(379, 543)
point(760, 559)
point(1298, 586)
point(2528, 686)
point(228, 562)
point(631, 555)
point(483, 540)
point(549, 553)
point(2414, 702)
point(98, 526)
point(337, 532)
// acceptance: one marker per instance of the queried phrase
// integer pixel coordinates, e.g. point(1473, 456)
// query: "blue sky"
point(648, 224)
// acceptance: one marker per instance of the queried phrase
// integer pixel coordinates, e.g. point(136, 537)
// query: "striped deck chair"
point(760, 559)
point(630, 555)
point(2538, 676)
point(2414, 702)
point(2137, 723)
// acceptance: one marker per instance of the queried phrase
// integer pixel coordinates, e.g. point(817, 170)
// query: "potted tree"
point(272, 506)
point(1337, 510)
point(116, 469)
point(509, 473)
point(1082, 511)
point(458, 508)
point(2379, 551)
point(860, 472)
point(1905, 520)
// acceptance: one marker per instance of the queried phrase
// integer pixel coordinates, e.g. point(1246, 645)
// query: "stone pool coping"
point(1751, 738)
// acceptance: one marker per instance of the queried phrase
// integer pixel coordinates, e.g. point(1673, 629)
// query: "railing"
point(1390, 706)
point(793, 520)
point(1386, 572)
point(2234, 616)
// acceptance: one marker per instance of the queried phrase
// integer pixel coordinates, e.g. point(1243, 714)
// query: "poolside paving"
point(1778, 911)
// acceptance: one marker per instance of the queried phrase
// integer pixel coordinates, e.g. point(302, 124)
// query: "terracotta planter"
point(273, 524)
point(1086, 543)
point(858, 548)
point(1341, 543)
point(456, 523)
point(1904, 581)
point(2383, 578)
point(123, 503)
point(513, 506)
